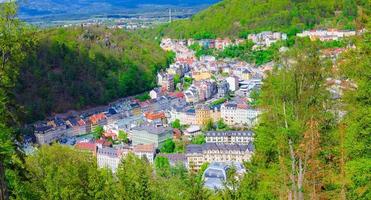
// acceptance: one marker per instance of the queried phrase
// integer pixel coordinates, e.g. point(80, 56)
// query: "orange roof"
point(97, 117)
point(86, 146)
point(154, 116)
point(144, 148)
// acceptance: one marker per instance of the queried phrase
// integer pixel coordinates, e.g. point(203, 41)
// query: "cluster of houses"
point(327, 35)
point(266, 38)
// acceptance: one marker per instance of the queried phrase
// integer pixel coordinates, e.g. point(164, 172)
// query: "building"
point(235, 114)
point(233, 83)
point(108, 157)
point(229, 137)
point(186, 116)
point(168, 83)
point(95, 120)
point(192, 130)
point(48, 134)
point(198, 76)
point(204, 114)
point(217, 152)
point(147, 151)
point(223, 88)
point(326, 35)
point(149, 134)
point(215, 174)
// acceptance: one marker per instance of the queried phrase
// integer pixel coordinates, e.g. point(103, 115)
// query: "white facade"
point(233, 83)
point(234, 115)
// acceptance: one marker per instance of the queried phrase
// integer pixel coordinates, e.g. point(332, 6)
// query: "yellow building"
point(204, 114)
point(198, 76)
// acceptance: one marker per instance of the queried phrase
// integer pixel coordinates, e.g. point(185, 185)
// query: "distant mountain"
point(65, 9)
point(239, 17)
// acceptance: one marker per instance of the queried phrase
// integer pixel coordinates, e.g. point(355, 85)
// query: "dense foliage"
point(72, 68)
point(57, 172)
point(237, 18)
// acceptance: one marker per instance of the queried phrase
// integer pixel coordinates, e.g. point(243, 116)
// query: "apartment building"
point(229, 137)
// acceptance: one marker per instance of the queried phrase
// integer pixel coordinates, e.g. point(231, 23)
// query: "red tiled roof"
point(177, 94)
point(90, 146)
point(81, 122)
point(154, 116)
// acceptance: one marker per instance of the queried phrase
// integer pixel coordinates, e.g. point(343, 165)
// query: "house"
point(152, 116)
point(235, 114)
point(76, 127)
point(204, 114)
point(168, 83)
point(108, 157)
point(149, 134)
point(186, 116)
point(155, 93)
point(223, 88)
point(145, 150)
point(48, 134)
point(99, 119)
point(87, 146)
point(233, 83)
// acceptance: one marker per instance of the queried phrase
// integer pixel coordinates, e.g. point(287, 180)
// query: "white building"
point(235, 114)
point(229, 137)
point(233, 83)
point(145, 150)
point(110, 158)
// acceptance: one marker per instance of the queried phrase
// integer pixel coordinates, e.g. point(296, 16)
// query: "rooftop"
point(152, 129)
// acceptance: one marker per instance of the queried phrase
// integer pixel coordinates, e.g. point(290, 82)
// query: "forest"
point(238, 18)
point(72, 68)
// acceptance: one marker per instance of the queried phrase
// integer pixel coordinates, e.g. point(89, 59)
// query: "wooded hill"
point(237, 18)
point(71, 68)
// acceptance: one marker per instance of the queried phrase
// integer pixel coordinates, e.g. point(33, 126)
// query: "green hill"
point(237, 18)
point(78, 67)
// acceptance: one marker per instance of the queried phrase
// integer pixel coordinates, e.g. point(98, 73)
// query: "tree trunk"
point(294, 190)
point(3, 188)
point(300, 180)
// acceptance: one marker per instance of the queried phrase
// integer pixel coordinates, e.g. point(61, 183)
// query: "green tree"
point(98, 132)
point(135, 179)
point(168, 146)
point(162, 166)
point(176, 124)
point(57, 172)
point(209, 125)
point(14, 42)
point(221, 125)
point(198, 139)
point(123, 136)
point(356, 145)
